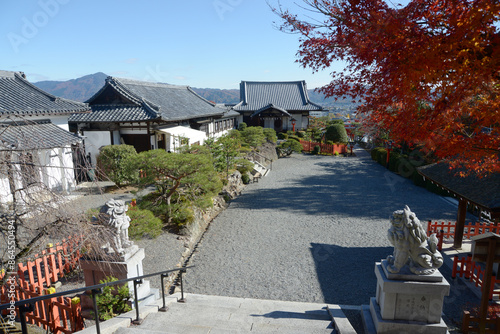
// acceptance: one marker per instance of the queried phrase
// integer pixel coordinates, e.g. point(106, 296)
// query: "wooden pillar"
point(487, 285)
point(459, 227)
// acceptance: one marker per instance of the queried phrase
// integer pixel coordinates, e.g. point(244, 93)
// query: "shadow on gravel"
point(349, 190)
point(347, 274)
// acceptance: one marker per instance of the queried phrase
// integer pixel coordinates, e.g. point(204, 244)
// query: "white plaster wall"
point(5, 195)
point(95, 140)
point(69, 182)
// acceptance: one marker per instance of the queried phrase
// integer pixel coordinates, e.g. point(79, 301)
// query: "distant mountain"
point(83, 88)
point(229, 96)
point(79, 89)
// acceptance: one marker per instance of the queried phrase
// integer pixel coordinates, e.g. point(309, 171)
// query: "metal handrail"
point(26, 305)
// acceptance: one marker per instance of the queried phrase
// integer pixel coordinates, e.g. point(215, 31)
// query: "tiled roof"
point(29, 136)
point(483, 191)
point(287, 95)
point(19, 97)
point(171, 102)
point(103, 113)
point(272, 107)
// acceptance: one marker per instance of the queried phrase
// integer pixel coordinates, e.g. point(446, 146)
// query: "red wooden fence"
point(60, 315)
point(308, 146)
point(470, 229)
point(465, 267)
point(470, 324)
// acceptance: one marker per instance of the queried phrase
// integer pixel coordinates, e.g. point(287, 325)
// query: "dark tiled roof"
point(30, 136)
point(19, 97)
point(287, 95)
point(171, 102)
point(271, 107)
point(103, 113)
point(484, 191)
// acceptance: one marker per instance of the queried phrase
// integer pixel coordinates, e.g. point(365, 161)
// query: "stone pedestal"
point(126, 265)
point(408, 303)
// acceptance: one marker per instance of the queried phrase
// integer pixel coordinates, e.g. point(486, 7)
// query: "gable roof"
point(18, 97)
point(107, 113)
point(34, 135)
point(483, 192)
point(149, 101)
point(285, 95)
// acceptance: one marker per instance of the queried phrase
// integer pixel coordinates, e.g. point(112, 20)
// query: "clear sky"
point(200, 43)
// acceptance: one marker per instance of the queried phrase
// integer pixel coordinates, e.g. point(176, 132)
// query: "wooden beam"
point(459, 227)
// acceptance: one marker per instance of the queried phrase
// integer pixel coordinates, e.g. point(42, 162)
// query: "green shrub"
point(182, 215)
point(336, 133)
point(374, 153)
point(245, 178)
point(316, 150)
point(113, 300)
point(301, 134)
point(286, 148)
point(282, 135)
point(152, 203)
point(143, 224)
point(113, 163)
point(294, 138)
point(382, 156)
point(244, 166)
point(393, 161)
point(270, 135)
point(254, 136)
point(242, 126)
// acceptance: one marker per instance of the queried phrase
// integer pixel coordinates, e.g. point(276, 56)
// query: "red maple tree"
point(427, 73)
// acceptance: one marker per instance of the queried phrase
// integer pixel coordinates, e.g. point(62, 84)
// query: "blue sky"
point(200, 43)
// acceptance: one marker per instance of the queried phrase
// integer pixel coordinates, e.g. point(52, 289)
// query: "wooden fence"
point(470, 229)
point(465, 267)
point(36, 277)
point(470, 324)
point(308, 146)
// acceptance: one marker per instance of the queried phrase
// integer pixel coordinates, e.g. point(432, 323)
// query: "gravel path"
point(309, 231)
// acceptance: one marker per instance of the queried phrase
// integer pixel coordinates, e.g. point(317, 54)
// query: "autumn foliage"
point(427, 73)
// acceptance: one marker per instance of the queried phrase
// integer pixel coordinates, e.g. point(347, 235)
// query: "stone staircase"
point(215, 314)
point(258, 171)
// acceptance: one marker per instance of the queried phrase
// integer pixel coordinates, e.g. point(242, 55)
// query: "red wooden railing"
point(60, 315)
point(308, 146)
point(465, 267)
point(470, 324)
point(470, 229)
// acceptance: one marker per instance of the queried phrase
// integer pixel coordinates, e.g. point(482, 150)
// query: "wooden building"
point(149, 116)
point(280, 105)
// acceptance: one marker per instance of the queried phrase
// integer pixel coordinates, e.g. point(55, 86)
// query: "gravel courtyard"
point(309, 231)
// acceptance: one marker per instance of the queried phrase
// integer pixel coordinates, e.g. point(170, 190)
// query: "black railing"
point(27, 305)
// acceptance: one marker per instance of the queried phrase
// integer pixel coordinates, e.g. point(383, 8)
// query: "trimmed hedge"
point(143, 224)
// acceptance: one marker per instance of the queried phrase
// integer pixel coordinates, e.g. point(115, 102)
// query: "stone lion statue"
point(412, 247)
point(114, 215)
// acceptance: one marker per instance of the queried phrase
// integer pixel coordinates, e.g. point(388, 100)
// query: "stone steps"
point(259, 170)
point(215, 314)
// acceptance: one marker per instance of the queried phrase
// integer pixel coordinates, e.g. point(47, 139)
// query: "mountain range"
point(81, 89)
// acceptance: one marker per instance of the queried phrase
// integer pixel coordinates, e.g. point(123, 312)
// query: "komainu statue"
point(114, 215)
point(411, 245)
